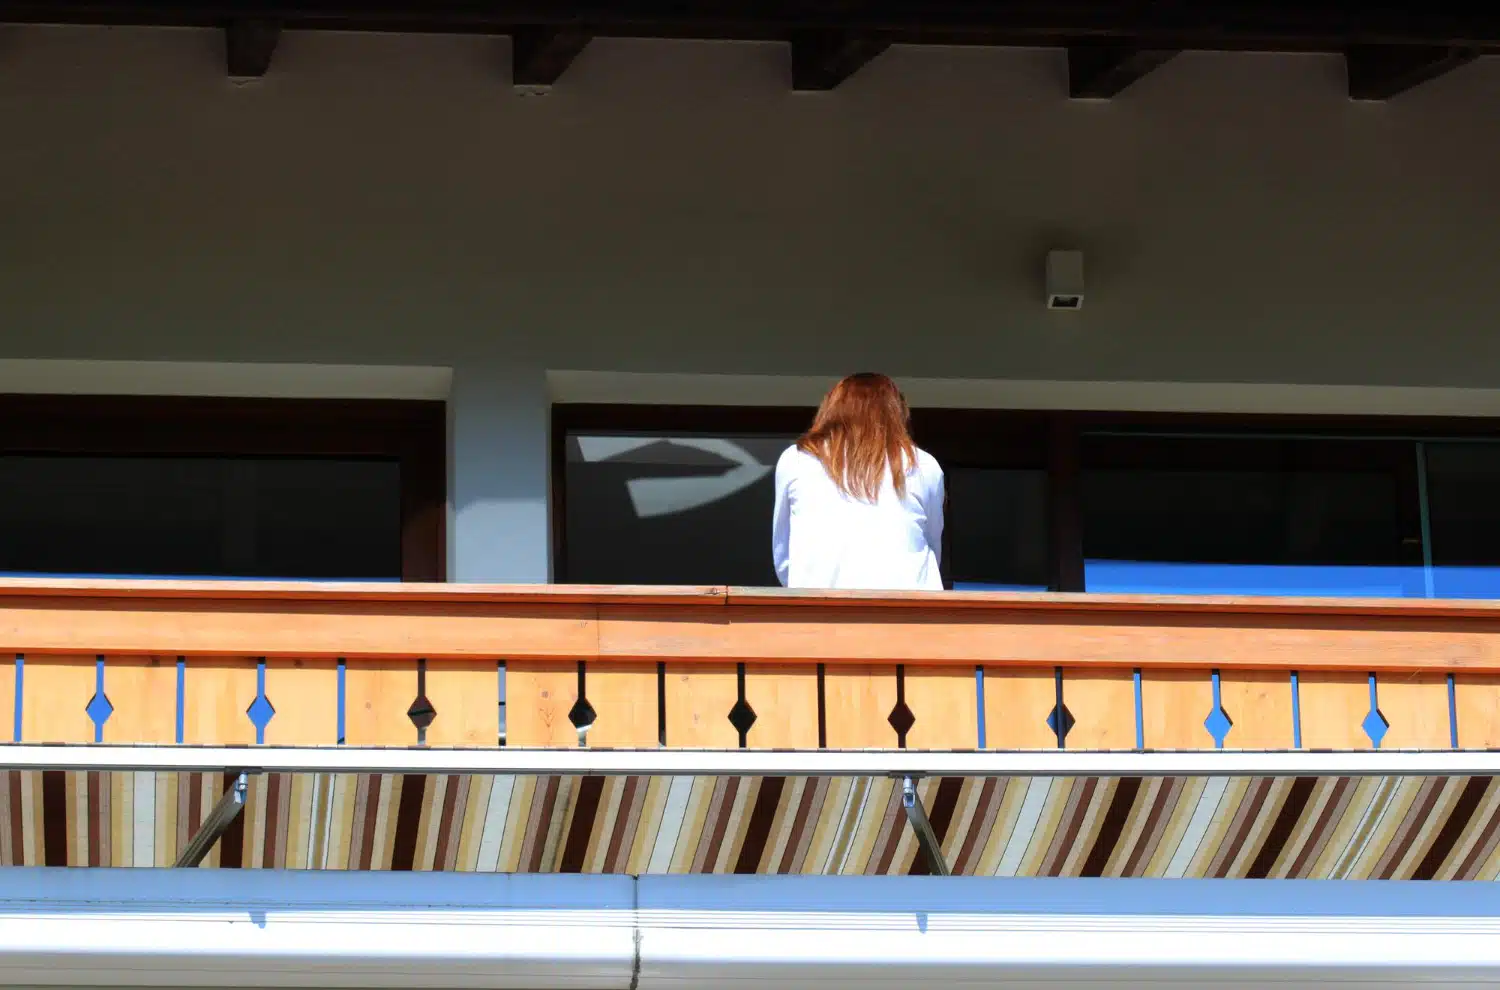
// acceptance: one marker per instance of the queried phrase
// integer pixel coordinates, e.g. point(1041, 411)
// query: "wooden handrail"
point(721, 624)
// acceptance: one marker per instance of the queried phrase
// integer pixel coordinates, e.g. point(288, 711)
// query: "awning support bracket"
point(224, 812)
point(927, 839)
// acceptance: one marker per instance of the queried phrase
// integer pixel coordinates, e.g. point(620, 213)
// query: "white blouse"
point(822, 538)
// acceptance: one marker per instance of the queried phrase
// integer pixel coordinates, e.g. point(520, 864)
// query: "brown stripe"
point(1458, 820)
point(623, 820)
point(375, 786)
point(95, 851)
point(408, 821)
point(621, 862)
point(944, 803)
point(799, 824)
point(1112, 827)
point(1281, 830)
point(1167, 795)
point(1318, 835)
point(275, 783)
point(892, 828)
point(55, 817)
point(1409, 829)
point(232, 844)
point(1483, 846)
point(803, 837)
point(544, 798)
point(991, 794)
point(720, 811)
point(1244, 821)
point(17, 820)
point(194, 785)
point(762, 817)
point(1079, 801)
point(456, 785)
point(582, 826)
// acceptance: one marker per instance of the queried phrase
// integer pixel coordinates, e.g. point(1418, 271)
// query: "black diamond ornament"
point(582, 714)
point(1060, 721)
point(901, 718)
point(742, 716)
point(421, 712)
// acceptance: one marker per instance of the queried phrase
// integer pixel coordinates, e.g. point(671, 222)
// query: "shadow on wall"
point(670, 510)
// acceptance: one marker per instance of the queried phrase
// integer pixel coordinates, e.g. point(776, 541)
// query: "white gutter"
point(232, 928)
point(834, 763)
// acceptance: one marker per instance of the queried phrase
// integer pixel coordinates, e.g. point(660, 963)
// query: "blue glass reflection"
point(1289, 580)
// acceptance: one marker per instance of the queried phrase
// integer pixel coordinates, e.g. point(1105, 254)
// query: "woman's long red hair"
point(862, 433)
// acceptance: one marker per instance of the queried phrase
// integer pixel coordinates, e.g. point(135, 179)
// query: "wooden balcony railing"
point(296, 664)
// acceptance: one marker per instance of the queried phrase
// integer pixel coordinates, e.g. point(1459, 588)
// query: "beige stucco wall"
point(675, 208)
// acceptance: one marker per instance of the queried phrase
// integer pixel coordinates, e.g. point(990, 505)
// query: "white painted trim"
point(232, 380)
point(954, 393)
point(679, 762)
point(262, 928)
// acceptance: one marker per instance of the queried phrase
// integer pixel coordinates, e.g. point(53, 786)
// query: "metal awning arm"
point(927, 839)
point(224, 812)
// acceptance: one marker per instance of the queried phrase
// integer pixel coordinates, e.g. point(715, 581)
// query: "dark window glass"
point(996, 525)
point(200, 517)
point(1226, 516)
point(1463, 502)
point(670, 509)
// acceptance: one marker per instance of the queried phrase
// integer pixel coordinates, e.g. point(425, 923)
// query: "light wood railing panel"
point(1102, 703)
point(943, 705)
point(1017, 701)
point(1477, 709)
point(1259, 704)
point(1174, 706)
point(857, 703)
point(185, 662)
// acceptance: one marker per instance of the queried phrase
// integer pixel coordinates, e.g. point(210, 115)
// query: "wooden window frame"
point(413, 433)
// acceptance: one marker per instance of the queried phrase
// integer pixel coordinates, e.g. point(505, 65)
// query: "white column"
point(498, 525)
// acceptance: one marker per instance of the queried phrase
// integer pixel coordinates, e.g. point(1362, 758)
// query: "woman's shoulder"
point(928, 465)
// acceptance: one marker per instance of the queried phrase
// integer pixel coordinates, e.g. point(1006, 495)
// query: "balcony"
point(231, 664)
point(793, 717)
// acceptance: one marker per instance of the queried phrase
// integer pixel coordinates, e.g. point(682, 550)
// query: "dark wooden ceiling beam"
point(821, 60)
point(249, 44)
point(540, 55)
point(1380, 72)
point(1268, 25)
point(1103, 71)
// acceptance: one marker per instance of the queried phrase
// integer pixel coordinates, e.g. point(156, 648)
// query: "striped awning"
point(1346, 827)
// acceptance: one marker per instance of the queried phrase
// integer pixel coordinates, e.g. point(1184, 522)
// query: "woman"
point(858, 505)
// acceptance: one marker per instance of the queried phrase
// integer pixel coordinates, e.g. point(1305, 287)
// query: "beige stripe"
point(1343, 827)
point(691, 834)
point(1076, 856)
point(1174, 830)
point(1358, 822)
point(1381, 827)
point(869, 820)
point(562, 818)
point(990, 848)
point(1225, 810)
point(831, 834)
point(781, 824)
point(522, 795)
point(1059, 794)
point(471, 832)
point(384, 792)
point(1302, 834)
point(121, 797)
point(166, 819)
point(78, 833)
point(429, 822)
point(637, 856)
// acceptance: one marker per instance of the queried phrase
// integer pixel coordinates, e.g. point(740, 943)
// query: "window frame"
point(1052, 440)
point(413, 433)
